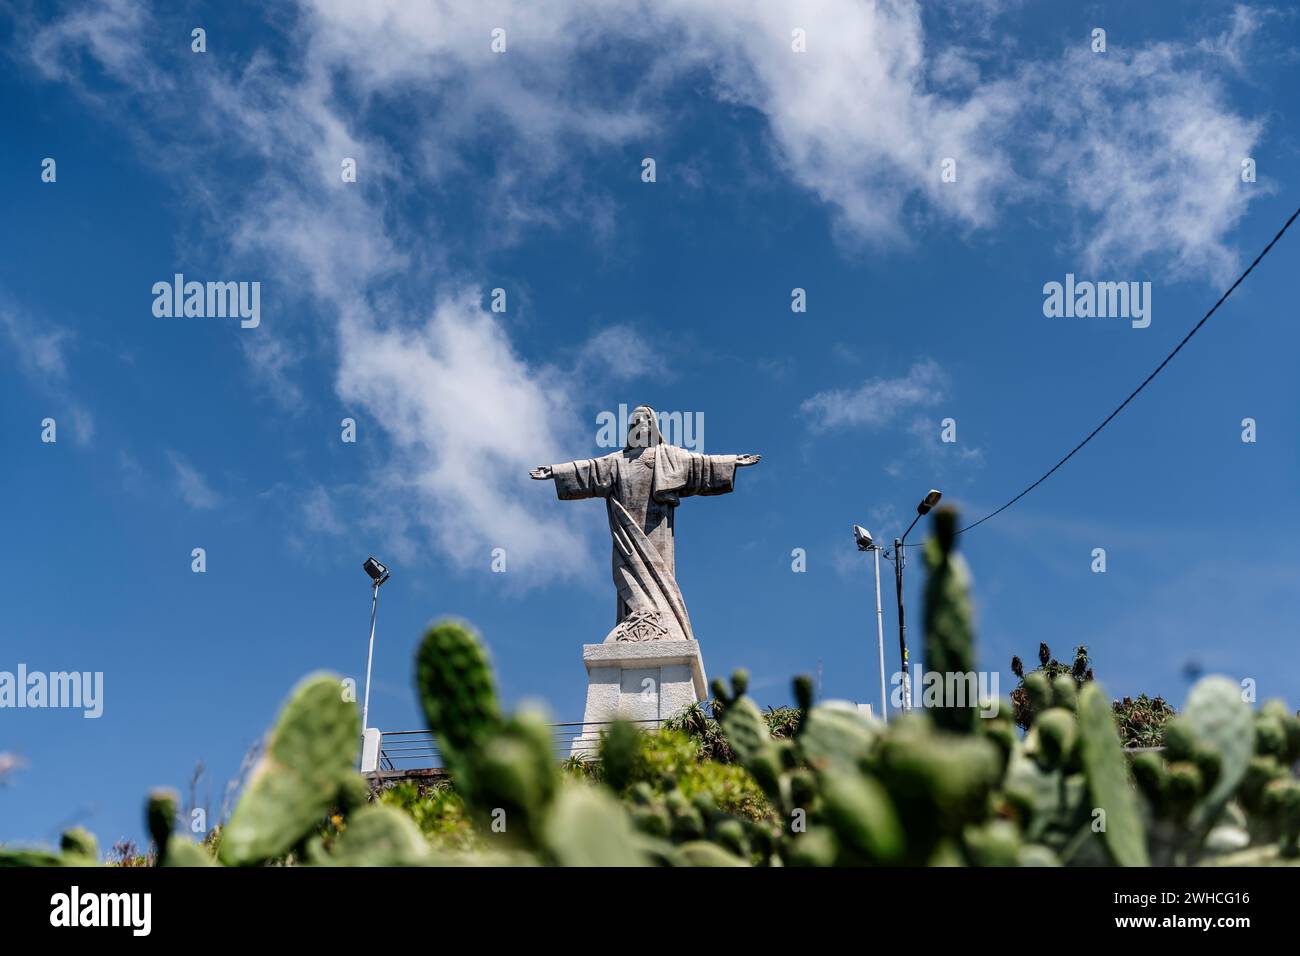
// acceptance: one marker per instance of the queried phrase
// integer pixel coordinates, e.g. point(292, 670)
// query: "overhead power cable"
point(1145, 382)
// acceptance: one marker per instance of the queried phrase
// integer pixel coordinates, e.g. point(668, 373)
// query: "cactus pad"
point(454, 680)
point(311, 753)
point(1222, 722)
point(1107, 776)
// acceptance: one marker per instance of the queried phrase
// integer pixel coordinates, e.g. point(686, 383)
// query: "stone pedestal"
point(643, 681)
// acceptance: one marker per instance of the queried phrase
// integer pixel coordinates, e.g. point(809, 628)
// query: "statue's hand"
point(742, 460)
point(542, 473)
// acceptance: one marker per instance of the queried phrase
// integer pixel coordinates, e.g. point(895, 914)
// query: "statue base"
point(642, 681)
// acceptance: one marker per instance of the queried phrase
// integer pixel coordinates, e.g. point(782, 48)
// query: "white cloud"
point(852, 119)
point(621, 352)
point(40, 348)
point(319, 513)
point(1140, 148)
point(274, 360)
point(468, 419)
point(930, 448)
point(1141, 145)
point(110, 31)
point(1234, 43)
point(1148, 153)
point(8, 764)
point(877, 402)
point(191, 485)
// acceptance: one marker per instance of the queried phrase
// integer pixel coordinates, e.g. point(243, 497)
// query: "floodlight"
point(863, 537)
point(378, 573)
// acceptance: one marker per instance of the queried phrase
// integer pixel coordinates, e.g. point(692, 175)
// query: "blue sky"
point(522, 170)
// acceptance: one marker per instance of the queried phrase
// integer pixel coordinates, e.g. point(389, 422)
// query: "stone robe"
point(642, 488)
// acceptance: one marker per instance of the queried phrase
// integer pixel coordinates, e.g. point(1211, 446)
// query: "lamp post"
point(866, 543)
point(378, 575)
point(928, 502)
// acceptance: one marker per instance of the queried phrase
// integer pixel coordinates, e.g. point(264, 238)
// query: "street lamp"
point(865, 543)
point(928, 502)
point(378, 575)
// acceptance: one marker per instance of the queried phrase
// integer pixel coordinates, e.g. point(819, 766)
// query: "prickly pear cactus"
point(938, 782)
point(454, 681)
point(1065, 692)
point(514, 779)
point(160, 819)
point(702, 853)
point(619, 747)
point(940, 788)
point(747, 733)
point(380, 835)
point(588, 827)
point(836, 736)
point(996, 843)
point(308, 761)
point(182, 853)
point(863, 817)
point(1220, 722)
point(1108, 781)
point(1038, 693)
point(949, 625)
point(28, 858)
point(79, 843)
point(1282, 803)
point(1055, 732)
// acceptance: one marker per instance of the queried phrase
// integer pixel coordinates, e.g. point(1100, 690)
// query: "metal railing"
point(411, 750)
point(417, 750)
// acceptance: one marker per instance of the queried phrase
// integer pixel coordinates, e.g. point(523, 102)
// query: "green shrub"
point(1142, 720)
point(1024, 699)
point(437, 810)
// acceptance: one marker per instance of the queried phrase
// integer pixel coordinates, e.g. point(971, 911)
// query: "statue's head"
point(643, 428)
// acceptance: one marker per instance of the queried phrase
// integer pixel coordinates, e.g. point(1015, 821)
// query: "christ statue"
point(642, 485)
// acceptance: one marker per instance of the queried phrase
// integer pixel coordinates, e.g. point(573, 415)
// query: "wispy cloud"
point(40, 350)
point(877, 402)
point(863, 118)
point(1147, 149)
point(110, 31)
point(319, 512)
point(620, 352)
point(191, 485)
point(1234, 43)
point(468, 418)
point(274, 360)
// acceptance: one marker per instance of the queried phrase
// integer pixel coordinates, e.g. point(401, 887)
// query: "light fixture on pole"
point(378, 575)
point(865, 543)
point(928, 502)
